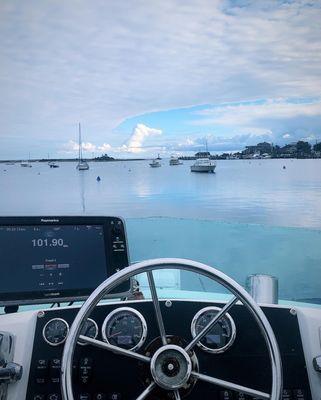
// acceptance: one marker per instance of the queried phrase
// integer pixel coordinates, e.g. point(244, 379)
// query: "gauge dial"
point(55, 331)
point(125, 327)
point(220, 337)
point(89, 329)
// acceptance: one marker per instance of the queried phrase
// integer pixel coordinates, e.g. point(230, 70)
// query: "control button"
point(114, 396)
point(317, 363)
point(287, 394)
point(117, 228)
point(40, 381)
point(299, 394)
point(84, 396)
point(39, 397)
point(41, 372)
point(226, 395)
point(85, 369)
point(100, 396)
point(53, 396)
point(54, 371)
point(240, 396)
point(41, 365)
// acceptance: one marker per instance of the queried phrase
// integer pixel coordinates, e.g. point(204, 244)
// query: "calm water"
point(249, 217)
point(258, 191)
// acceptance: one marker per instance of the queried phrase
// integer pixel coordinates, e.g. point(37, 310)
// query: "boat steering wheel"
point(182, 355)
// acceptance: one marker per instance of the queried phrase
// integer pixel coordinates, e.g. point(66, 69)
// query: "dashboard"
point(234, 350)
point(63, 259)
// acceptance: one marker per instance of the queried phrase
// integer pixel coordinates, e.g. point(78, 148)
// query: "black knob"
point(317, 363)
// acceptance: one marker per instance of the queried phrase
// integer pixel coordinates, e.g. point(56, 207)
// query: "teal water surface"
point(249, 217)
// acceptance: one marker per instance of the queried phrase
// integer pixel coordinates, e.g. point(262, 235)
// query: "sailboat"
point(82, 164)
point(26, 164)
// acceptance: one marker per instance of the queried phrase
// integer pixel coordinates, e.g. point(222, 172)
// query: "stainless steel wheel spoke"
point(114, 349)
point(146, 392)
point(177, 395)
point(232, 386)
point(210, 325)
point(157, 307)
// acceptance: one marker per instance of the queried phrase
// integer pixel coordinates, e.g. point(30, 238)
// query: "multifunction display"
point(58, 258)
point(51, 258)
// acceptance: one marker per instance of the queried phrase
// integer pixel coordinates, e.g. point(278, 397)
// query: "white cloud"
point(105, 147)
point(140, 134)
point(106, 61)
point(253, 115)
point(71, 147)
point(87, 146)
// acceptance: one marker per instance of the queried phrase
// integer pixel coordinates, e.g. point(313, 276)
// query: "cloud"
point(71, 147)
point(87, 146)
point(140, 134)
point(250, 114)
point(135, 144)
point(103, 62)
point(104, 147)
point(217, 143)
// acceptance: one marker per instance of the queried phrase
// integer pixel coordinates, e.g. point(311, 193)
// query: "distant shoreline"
point(184, 158)
point(72, 160)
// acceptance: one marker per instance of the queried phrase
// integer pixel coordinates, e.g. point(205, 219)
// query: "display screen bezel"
point(45, 297)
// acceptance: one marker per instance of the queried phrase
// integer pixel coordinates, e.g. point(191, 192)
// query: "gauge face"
point(220, 337)
point(55, 331)
point(89, 329)
point(126, 328)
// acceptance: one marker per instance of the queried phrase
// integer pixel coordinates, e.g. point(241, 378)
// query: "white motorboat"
point(52, 164)
point(155, 163)
point(174, 161)
point(203, 165)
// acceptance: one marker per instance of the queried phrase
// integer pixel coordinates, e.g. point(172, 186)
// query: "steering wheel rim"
point(148, 267)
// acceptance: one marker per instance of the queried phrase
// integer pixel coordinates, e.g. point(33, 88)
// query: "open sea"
point(251, 216)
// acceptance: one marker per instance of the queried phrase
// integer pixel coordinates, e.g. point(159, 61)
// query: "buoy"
point(284, 167)
point(98, 179)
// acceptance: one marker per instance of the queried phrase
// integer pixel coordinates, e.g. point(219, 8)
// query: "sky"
point(162, 76)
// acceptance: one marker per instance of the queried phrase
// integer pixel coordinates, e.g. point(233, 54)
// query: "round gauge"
point(55, 331)
point(125, 327)
point(220, 337)
point(89, 329)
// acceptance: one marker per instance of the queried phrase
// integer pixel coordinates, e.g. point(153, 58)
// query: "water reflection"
point(260, 192)
point(82, 183)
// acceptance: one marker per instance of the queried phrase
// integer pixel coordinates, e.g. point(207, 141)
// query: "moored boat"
point(203, 165)
point(82, 164)
point(174, 161)
point(52, 164)
point(155, 164)
point(26, 164)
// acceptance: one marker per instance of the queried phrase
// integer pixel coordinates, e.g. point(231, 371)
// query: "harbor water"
point(251, 216)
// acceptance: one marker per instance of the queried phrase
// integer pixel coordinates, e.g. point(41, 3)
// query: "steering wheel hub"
point(171, 367)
